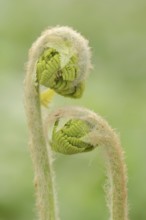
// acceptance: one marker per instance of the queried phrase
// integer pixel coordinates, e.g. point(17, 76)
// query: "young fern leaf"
point(60, 60)
point(84, 132)
point(68, 140)
point(63, 80)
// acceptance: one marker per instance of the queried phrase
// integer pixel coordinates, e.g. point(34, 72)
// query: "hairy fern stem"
point(44, 185)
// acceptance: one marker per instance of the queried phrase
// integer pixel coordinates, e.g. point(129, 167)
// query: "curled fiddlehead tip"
point(75, 130)
point(70, 138)
point(62, 61)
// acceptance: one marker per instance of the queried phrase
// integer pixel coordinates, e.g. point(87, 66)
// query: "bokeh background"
point(115, 89)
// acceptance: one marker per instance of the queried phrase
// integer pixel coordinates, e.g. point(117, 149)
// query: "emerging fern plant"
point(59, 61)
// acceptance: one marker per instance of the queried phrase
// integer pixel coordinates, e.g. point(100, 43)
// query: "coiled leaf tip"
point(69, 139)
point(61, 79)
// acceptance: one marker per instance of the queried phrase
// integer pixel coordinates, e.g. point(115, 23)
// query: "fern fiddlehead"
point(95, 132)
point(60, 60)
point(68, 140)
point(64, 80)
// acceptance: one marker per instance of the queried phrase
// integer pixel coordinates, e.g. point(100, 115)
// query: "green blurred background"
point(115, 89)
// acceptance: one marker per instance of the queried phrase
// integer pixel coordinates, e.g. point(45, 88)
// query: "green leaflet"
point(68, 139)
point(63, 80)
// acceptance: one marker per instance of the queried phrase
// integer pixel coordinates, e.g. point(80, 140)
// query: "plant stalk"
point(116, 187)
point(41, 156)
